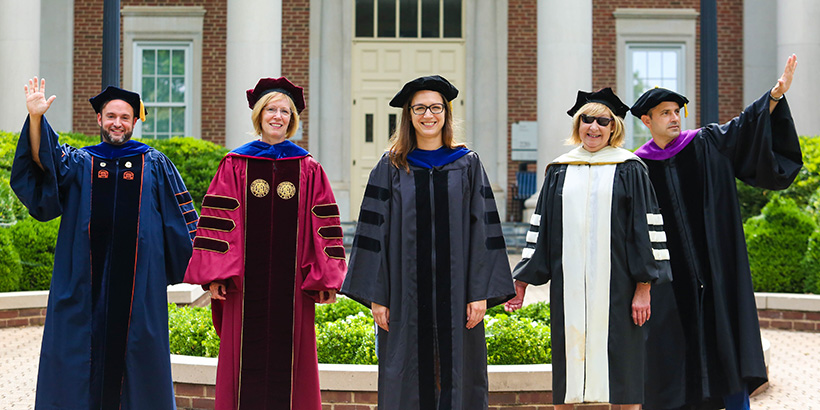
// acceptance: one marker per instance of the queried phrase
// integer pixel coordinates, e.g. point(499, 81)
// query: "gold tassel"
point(685, 111)
point(142, 111)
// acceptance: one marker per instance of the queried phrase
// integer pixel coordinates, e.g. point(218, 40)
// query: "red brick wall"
point(522, 70)
point(88, 61)
point(296, 53)
point(22, 317)
point(789, 319)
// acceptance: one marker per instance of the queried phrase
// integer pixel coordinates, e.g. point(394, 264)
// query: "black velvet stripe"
point(216, 224)
point(335, 252)
point(372, 191)
point(495, 242)
point(122, 192)
point(326, 210)
point(210, 244)
point(370, 217)
point(491, 218)
point(424, 278)
point(487, 192)
point(184, 198)
point(220, 202)
point(190, 216)
point(330, 232)
point(444, 318)
point(270, 274)
point(366, 243)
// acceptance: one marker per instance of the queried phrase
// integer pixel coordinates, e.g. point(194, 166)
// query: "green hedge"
point(350, 340)
point(517, 340)
point(35, 242)
point(343, 308)
point(811, 264)
point(10, 269)
point(777, 240)
point(191, 331)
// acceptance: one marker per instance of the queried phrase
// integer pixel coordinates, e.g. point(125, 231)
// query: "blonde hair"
point(403, 139)
point(616, 138)
point(256, 114)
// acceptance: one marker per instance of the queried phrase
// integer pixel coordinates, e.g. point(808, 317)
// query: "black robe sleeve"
point(489, 276)
point(763, 148)
point(39, 189)
point(367, 280)
point(647, 256)
point(534, 267)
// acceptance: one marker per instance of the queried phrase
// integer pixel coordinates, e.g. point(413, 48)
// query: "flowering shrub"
point(191, 331)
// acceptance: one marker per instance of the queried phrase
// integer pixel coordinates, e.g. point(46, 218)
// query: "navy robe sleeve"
point(647, 256)
point(368, 279)
point(40, 189)
point(763, 148)
point(179, 219)
point(534, 267)
point(489, 276)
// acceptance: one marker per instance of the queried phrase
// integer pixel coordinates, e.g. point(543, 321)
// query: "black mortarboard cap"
point(603, 96)
point(114, 93)
point(432, 82)
point(655, 96)
point(279, 85)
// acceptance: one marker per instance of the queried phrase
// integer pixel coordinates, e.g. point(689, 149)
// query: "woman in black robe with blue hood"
point(429, 258)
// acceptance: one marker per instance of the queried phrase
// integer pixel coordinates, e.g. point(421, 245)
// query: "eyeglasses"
point(602, 121)
point(420, 109)
point(282, 111)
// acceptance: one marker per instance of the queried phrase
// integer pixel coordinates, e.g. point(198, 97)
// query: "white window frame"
point(166, 25)
point(657, 27)
point(139, 47)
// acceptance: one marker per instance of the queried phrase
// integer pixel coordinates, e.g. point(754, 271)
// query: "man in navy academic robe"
point(126, 233)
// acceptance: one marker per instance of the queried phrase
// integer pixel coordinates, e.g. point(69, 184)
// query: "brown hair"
point(256, 114)
point(616, 138)
point(403, 139)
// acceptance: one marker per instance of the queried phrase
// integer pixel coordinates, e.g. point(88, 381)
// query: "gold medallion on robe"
point(260, 188)
point(286, 190)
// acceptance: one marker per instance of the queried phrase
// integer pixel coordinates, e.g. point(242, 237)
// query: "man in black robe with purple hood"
point(705, 350)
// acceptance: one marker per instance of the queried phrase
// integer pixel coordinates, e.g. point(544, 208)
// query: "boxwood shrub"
point(350, 340)
point(343, 308)
point(35, 242)
point(777, 240)
point(517, 340)
point(10, 269)
point(811, 264)
point(191, 331)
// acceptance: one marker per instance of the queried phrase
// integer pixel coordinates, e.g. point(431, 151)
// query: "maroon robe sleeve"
point(322, 255)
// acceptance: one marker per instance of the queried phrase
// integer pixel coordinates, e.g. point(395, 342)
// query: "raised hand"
point(785, 80)
point(36, 101)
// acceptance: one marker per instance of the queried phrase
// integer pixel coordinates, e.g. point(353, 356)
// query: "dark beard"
point(106, 137)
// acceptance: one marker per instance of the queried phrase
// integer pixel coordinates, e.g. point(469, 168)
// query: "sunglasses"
point(602, 121)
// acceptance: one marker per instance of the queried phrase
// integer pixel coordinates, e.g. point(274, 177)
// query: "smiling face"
point(663, 121)
point(428, 126)
point(274, 119)
point(116, 121)
point(594, 136)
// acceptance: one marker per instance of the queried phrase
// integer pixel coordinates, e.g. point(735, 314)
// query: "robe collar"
point(110, 151)
point(652, 151)
point(436, 158)
point(605, 156)
point(261, 149)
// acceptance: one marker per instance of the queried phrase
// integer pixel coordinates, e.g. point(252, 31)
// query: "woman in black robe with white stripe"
point(597, 235)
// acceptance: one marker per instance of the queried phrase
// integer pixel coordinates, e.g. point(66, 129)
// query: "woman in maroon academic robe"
point(269, 245)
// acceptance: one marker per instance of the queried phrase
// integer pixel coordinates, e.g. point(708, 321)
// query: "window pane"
point(149, 93)
point(408, 18)
point(654, 66)
point(178, 89)
point(163, 120)
point(148, 62)
point(178, 121)
point(670, 64)
point(387, 18)
point(368, 128)
point(178, 67)
point(164, 62)
point(364, 18)
point(150, 119)
point(639, 63)
point(452, 18)
point(163, 89)
point(429, 18)
point(391, 125)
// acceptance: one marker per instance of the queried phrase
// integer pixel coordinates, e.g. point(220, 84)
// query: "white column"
point(486, 91)
point(19, 59)
point(798, 33)
point(330, 94)
point(57, 60)
point(254, 50)
point(564, 67)
point(759, 48)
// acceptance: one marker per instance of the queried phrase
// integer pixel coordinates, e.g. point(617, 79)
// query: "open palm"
point(36, 101)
